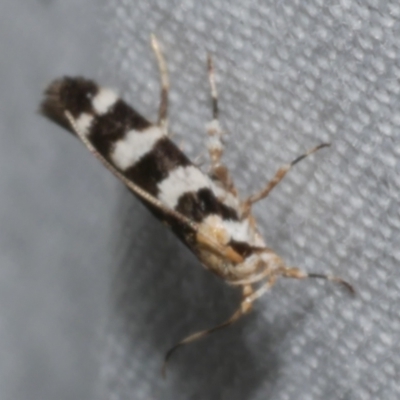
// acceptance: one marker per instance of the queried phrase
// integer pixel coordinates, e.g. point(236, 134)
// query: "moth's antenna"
point(201, 334)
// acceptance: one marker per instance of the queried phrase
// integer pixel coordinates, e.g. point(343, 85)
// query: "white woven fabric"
point(290, 75)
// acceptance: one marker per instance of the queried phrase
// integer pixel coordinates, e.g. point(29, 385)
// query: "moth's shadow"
point(161, 295)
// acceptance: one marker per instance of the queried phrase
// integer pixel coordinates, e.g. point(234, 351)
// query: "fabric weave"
point(290, 75)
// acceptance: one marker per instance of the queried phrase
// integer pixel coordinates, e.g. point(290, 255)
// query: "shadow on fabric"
point(161, 294)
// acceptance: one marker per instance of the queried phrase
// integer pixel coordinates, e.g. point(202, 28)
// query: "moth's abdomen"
point(141, 151)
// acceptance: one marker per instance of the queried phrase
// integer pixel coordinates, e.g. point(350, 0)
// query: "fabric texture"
point(290, 75)
point(91, 283)
point(53, 245)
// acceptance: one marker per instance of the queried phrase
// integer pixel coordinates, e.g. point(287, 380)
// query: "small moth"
point(204, 210)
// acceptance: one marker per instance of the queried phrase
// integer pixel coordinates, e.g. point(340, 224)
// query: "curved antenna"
point(199, 335)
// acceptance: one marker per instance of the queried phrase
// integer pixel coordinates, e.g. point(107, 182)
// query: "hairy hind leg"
point(215, 133)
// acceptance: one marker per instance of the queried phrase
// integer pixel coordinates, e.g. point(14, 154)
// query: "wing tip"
point(73, 94)
point(52, 106)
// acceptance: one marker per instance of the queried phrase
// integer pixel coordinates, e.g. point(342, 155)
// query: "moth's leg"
point(299, 274)
point(244, 308)
point(162, 66)
point(280, 174)
point(214, 132)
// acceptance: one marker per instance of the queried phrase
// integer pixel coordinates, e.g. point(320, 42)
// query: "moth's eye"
point(89, 95)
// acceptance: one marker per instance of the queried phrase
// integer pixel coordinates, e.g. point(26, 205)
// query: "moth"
point(203, 209)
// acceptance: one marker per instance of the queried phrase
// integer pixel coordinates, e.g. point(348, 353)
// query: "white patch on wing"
point(180, 181)
point(134, 145)
point(213, 228)
point(83, 123)
point(104, 100)
point(225, 197)
point(226, 230)
point(239, 230)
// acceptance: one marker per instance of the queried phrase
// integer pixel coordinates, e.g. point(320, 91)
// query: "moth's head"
point(74, 95)
point(257, 266)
